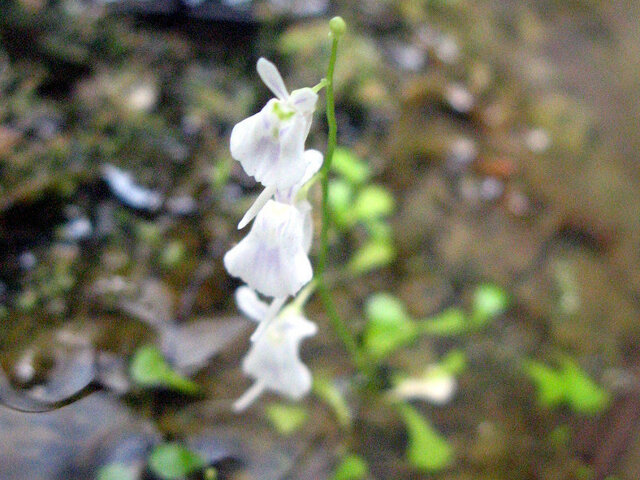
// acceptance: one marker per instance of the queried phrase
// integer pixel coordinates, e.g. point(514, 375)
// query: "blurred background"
point(505, 135)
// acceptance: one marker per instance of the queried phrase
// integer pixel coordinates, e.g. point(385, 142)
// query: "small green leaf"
point(385, 307)
point(327, 390)
point(582, 393)
point(346, 164)
point(489, 301)
point(352, 467)
point(451, 321)
point(149, 369)
point(116, 471)
point(172, 461)
point(372, 255)
point(454, 362)
point(389, 327)
point(372, 203)
point(286, 418)
point(427, 450)
point(549, 383)
point(568, 384)
point(340, 203)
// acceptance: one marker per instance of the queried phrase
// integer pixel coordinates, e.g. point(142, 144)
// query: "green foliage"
point(372, 255)
point(349, 166)
point(451, 321)
point(427, 450)
point(489, 301)
point(372, 203)
point(353, 201)
point(352, 467)
point(454, 362)
point(582, 393)
point(389, 327)
point(549, 383)
point(116, 471)
point(172, 461)
point(286, 419)
point(340, 201)
point(568, 384)
point(326, 390)
point(149, 369)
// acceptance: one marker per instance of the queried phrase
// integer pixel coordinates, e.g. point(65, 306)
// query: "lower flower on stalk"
point(273, 360)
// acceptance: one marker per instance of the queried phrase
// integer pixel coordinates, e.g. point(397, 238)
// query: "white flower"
point(270, 144)
point(274, 361)
point(272, 258)
point(436, 386)
point(312, 159)
point(249, 304)
point(257, 310)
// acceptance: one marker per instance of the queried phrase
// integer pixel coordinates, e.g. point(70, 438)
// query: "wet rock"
point(113, 373)
point(72, 442)
point(190, 346)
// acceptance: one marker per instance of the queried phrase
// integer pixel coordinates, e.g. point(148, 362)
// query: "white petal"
point(271, 77)
point(249, 304)
point(290, 167)
point(269, 149)
point(252, 141)
point(271, 258)
point(307, 239)
point(248, 397)
point(303, 100)
point(262, 199)
point(313, 159)
point(270, 315)
point(274, 360)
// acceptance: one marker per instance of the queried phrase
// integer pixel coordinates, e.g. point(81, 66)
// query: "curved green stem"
point(338, 324)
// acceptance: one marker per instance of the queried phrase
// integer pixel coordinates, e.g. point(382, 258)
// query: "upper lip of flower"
point(271, 77)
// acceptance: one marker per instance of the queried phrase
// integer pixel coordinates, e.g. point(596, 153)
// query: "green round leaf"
point(427, 450)
point(389, 326)
point(349, 166)
point(372, 255)
point(149, 369)
point(373, 202)
point(172, 461)
point(286, 418)
point(352, 467)
point(489, 301)
point(583, 394)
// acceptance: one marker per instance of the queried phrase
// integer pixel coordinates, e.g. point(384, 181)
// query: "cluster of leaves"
point(354, 201)
point(566, 385)
point(167, 461)
point(358, 205)
point(389, 326)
